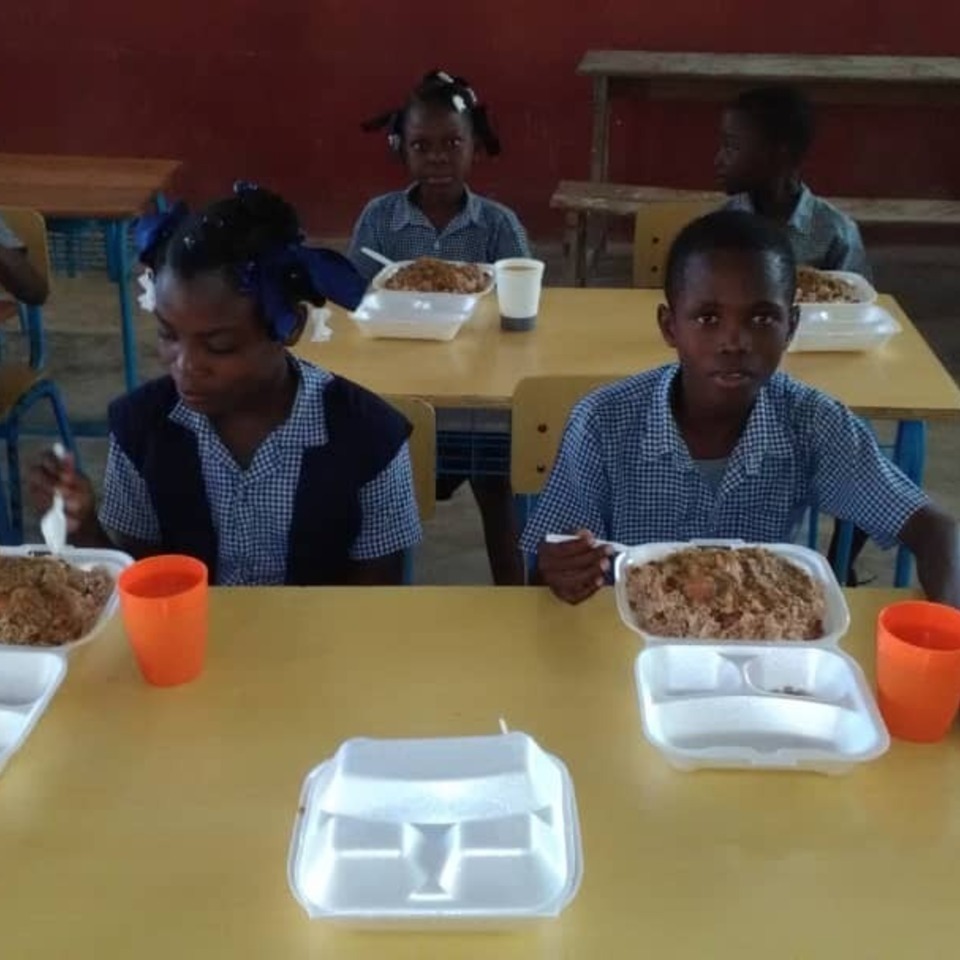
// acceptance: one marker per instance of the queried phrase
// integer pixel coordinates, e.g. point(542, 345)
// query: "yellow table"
point(604, 331)
point(149, 823)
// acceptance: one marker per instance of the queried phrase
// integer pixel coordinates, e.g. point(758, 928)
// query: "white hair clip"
point(148, 298)
point(459, 104)
point(317, 318)
point(444, 77)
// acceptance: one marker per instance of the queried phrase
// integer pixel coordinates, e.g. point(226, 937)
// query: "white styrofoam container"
point(820, 331)
point(377, 283)
point(758, 706)
point(412, 316)
point(28, 680)
point(86, 559)
point(837, 619)
point(850, 312)
point(466, 832)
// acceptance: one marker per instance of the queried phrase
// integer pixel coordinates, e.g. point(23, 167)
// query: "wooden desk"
point(95, 187)
point(602, 331)
point(155, 823)
point(847, 79)
point(112, 190)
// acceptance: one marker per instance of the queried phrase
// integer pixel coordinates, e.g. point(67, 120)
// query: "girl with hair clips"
point(436, 134)
point(268, 469)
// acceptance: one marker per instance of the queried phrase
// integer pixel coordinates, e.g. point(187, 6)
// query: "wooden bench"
point(581, 198)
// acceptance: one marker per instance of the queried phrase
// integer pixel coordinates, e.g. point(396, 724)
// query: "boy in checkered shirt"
point(722, 445)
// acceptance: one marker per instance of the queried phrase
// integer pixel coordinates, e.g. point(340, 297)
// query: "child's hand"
point(49, 474)
point(575, 569)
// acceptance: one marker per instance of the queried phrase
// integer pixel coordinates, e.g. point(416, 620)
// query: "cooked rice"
point(428, 275)
point(713, 593)
point(813, 286)
point(45, 602)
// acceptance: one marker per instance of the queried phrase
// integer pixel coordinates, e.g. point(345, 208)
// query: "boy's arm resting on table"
point(856, 482)
point(389, 524)
point(933, 537)
point(18, 277)
point(575, 500)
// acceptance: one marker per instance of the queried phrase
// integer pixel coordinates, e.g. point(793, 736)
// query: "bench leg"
point(575, 249)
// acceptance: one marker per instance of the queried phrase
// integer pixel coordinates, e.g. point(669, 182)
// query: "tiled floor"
point(85, 358)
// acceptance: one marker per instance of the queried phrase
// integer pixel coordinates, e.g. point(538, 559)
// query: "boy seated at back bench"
point(765, 135)
point(722, 445)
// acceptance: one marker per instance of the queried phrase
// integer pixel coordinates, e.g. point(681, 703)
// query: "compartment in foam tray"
point(471, 831)
point(773, 706)
point(28, 680)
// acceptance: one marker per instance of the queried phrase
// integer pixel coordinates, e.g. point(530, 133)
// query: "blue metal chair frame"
point(11, 517)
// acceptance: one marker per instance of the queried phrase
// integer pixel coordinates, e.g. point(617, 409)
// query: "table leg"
point(575, 254)
point(600, 146)
point(599, 164)
point(116, 231)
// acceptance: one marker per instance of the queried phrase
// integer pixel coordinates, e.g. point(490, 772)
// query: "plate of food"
point(839, 313)
point(730, 591)
point(56, 602)
point(428, 275)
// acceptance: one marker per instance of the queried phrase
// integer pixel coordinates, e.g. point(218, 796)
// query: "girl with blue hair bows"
point(267, 468)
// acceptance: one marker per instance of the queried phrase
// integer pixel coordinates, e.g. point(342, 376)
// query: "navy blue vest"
point(364, 434)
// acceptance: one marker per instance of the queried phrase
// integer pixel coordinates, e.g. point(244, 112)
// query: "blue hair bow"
point(330, 274)
point(152, 231)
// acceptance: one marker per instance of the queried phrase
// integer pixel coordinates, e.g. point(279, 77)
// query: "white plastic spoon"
point(379, 257)
point(53, 526)
point(566, 538)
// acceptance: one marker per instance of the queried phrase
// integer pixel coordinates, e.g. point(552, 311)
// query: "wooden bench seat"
point(580, 198)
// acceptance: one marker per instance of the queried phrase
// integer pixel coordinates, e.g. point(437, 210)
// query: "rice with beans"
point(45, 602)
point(715, 593)
point(428, 275)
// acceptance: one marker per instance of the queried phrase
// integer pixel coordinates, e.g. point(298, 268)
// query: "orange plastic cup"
point(918, 669)
point(163, 601)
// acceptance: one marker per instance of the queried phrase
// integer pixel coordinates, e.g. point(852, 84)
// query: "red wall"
point(274, 90)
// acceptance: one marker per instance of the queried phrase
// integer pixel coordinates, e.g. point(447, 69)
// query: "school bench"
point(580, 199)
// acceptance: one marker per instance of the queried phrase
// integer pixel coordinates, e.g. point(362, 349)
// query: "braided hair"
point(228, 235)
point(440, 90)
point(254, 242)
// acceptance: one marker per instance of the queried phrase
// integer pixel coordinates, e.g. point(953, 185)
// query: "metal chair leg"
point(12, 436)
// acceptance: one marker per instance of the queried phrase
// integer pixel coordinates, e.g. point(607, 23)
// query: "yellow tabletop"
point(599, 331)
point(149, 823)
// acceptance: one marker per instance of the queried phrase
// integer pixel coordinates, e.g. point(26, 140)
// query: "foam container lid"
point(413, 316)
point(86, 559)
point(836, 621)
point(475, 831)
point(759, 707)
point(821, 329)
point(29, 678)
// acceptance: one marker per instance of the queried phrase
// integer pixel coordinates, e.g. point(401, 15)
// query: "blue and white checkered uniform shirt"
point(624, 472)
point(821, 235)
point(252, 508)
point(482, 232)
